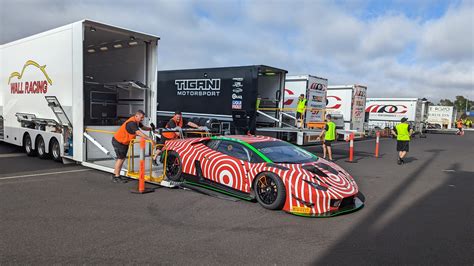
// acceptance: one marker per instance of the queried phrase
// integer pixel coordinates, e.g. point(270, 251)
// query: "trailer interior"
point(119, 70)
point(270, 86)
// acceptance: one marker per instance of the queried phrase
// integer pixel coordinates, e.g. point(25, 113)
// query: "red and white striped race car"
point(278, 174)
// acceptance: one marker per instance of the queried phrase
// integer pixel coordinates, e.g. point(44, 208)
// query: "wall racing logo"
point(198, 87)
point(391, 109)
point(29, 87)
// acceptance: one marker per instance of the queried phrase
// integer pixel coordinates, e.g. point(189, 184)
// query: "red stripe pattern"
point(239, 175)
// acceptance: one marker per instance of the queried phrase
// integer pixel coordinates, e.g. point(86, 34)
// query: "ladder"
point(58, 110)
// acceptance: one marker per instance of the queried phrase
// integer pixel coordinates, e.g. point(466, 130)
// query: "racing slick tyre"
point(41, 148)
point(174, 166)
point(55, 150)
point(28, 146)
point(270, 191)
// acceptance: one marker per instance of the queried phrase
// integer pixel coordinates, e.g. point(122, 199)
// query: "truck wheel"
point(270, 191)
point(41, 148)
point(55, 150)
point(28, 146)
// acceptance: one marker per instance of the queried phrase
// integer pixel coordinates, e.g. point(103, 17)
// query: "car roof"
point(247, 139)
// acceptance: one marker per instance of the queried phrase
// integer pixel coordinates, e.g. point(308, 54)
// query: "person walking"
point(459, 127)
point(403, 132)
point(329, 135)
point(300, 108)
point(127, 132)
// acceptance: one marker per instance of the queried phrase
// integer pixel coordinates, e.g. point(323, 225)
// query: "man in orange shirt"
point(122, 138)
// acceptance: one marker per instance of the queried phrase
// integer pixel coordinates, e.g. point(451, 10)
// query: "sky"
point(398, 48)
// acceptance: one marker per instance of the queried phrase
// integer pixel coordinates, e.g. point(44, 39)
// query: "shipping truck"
point(387, 112)
point(346, 103)
point(228, 96)
point(444, 116)
point(314, 91)
point(65, 91)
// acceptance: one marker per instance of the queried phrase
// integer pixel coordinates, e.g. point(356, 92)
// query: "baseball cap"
point(404, 119)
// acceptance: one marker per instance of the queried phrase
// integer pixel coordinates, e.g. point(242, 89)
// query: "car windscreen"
point(283, 152)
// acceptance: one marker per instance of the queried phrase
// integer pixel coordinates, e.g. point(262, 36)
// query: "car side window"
point(213, 144)
point(234, 149)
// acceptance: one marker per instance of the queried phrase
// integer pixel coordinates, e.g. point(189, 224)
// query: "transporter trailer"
point(64, 92)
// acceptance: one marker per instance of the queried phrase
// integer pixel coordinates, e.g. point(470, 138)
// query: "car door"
point(228, 165)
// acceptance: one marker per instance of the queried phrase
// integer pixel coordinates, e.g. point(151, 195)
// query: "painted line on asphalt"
point(43, 174)
point(12, 155)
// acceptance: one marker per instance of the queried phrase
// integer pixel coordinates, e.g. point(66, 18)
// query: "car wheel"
point(270, 191)
point(28, 146)
point(174, 167)
point(41, 148)
point(55, 150)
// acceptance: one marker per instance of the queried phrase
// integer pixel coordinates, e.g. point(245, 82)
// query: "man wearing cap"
point(403, 132)
point(300, 108)
point(176, 122)
point(122, 138)
point(330, 136)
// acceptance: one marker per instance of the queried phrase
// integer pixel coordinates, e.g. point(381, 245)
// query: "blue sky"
point(422, 48)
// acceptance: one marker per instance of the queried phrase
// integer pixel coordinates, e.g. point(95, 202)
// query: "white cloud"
point(393, 54)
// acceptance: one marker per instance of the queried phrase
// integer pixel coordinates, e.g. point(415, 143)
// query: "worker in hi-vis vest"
point(122, 138)
point(330, 136)
point(300, 109)
point(403, 132)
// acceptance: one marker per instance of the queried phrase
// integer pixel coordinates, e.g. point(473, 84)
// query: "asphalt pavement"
point(417, 213)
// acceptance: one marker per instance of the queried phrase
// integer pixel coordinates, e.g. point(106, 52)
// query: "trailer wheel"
point(28, 145)
point(55, 150)
point(41, 148)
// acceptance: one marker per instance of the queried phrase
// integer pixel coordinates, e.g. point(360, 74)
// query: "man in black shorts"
point(403, 132)
point(122, 138)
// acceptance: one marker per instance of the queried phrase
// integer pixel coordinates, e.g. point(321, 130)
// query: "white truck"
point(444, 116)
point(387, 112)
point(347, 103)
point(314, 90)
point(67, 88)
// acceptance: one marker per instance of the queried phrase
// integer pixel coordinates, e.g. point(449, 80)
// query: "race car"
point(279, 175)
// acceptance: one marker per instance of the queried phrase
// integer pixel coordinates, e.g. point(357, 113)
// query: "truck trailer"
point(444, 116)
point(65, 91)
point(227, 95)
point(314, 90)
point(387, 112)
point(346, 103)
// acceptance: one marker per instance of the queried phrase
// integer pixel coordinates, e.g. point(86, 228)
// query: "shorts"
point(328, 142)
point(120, 149)
point(299, 115)
point(403, 145)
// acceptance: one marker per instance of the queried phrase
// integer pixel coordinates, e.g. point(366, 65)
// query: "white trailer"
point(347, 102)
point(387, 112)
point(59, 84)
point(444, 116)
point(314, 90)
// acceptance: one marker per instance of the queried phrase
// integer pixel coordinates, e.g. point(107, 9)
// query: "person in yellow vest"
point(403, 132)
point(122, 138)
point(330, 136)
point(300, 108)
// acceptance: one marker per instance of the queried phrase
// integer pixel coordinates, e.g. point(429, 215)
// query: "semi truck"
point(387, 112)
point(65, 91)
point(346, 103)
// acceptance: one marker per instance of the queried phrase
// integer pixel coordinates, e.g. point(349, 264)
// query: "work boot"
point(115, 179)
point(154, 162)
point(123, 179)
point(399, 161)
